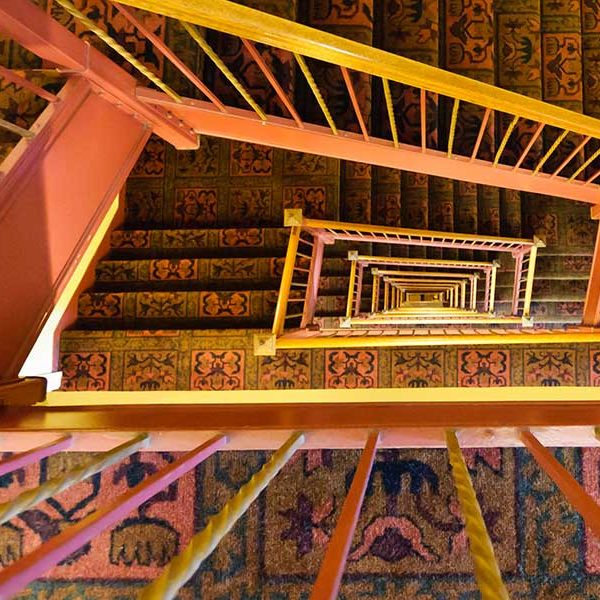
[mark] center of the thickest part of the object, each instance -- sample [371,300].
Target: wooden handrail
[234,19]
[341,226]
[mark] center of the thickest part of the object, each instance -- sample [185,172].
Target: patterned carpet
[196,265]
[410,541]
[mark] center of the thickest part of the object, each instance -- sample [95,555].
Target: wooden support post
[332,568]
[581,501]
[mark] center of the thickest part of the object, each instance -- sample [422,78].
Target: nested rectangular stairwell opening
[396,292]
[203,250]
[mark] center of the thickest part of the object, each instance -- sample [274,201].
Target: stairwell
[202,244]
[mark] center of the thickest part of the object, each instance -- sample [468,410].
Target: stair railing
[488,270]
[465,417]
[295,326]
[573,178]
[524,278]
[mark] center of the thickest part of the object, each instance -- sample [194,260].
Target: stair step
[169,308]
[207,270]
[241,239]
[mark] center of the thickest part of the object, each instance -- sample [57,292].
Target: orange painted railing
[575,177]
[296,309]
[290,427]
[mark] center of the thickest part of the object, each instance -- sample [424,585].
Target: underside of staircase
[202,244]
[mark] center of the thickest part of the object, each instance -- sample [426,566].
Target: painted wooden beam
[334,563]
[281,132]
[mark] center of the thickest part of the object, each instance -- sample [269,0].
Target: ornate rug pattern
[195,219]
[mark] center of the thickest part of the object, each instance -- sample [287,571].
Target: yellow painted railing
[397,297]
[248,23]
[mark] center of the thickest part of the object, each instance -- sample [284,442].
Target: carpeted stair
[195,267]
[202,242]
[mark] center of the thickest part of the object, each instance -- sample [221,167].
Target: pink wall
[51,200]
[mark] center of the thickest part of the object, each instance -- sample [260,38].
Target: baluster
[22,572]
[197,37]
[529,146]
[182,567]
[481,133]
[30,498]
[34,455]
[581,501]
[423,115]
[355,105]
[390,110]
[312,289]
[359,285]
[453,121]
[262,65]
[286,280]
[13,77]
[487,572]
[316,92]
[332,568]
[130,15]
[351,290]
[504,141]
[552,148]
[529,281]
[132,60]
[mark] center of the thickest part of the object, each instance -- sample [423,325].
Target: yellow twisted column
[197,37]
[487,572]
[132,60]
[182,567]
[30,498]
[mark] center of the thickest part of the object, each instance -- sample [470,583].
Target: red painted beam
[35,30]
[312,416]
[56,191]
[240,124]
[591,308]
